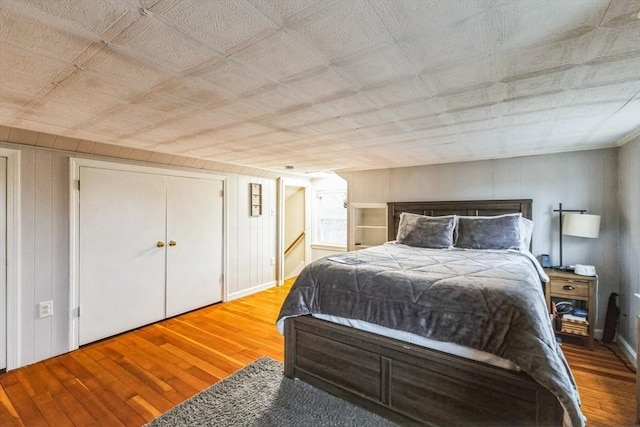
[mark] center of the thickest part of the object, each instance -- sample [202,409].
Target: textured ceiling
[324,84]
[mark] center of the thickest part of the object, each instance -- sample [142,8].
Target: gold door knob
[160,244]
[172,243]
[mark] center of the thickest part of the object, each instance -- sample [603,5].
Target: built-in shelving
[368,225]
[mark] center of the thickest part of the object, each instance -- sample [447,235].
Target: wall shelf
[368,225]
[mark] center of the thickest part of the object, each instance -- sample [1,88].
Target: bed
[341,316]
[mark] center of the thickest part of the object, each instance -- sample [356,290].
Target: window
[330,218]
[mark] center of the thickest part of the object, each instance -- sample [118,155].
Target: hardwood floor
[130,379]
[606,385]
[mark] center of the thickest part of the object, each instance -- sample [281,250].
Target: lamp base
[564,267]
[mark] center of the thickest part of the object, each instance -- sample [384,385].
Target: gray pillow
[426,231]
[497,232]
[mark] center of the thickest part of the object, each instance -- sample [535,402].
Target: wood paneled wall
[44,215]
[578,180]
[629,191]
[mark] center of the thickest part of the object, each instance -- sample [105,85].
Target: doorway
[9,257]
[293,227]
[295,239]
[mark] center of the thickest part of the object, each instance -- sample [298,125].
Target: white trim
[156,170]
[225,245]
[74,245]
[13,257]
[75,163]
[308,222]
[627,350]
[280,196]
[253,290]
[628,138]
[281,184]
[322,247]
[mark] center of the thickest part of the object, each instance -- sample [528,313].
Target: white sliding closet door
[195,242]
[3,263]
[122,270]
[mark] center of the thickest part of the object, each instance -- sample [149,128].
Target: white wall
[578,180]
[44,238]
[318,252]
[629,195]
[251,240]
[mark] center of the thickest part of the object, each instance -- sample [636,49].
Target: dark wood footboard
[409,384]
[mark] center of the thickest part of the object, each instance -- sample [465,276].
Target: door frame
[13,257]
[281,183]
[75,164]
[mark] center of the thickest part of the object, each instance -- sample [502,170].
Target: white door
[3,263]
[122,219]
[195,238]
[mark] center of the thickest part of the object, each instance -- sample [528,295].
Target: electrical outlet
[273,260]
[45,309]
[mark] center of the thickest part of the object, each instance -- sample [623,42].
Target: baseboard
[598,333]
[250,291]
[627,350]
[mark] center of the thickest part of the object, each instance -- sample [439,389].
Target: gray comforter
[487,300]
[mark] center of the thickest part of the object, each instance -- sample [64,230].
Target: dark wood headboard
[466,207]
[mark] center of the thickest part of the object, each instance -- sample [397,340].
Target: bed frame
[410,384]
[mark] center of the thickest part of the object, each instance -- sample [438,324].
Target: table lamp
[576,223]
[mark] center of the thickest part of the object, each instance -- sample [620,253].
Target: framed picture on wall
[256,199]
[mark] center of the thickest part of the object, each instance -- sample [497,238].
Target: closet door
[195,243]
[3,262]
[122,219]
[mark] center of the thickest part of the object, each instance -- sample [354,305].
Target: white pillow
[526,231]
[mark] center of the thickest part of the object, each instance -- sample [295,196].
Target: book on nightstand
[572,324]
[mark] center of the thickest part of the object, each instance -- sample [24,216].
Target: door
[121,274]
[3,263]
[195,238]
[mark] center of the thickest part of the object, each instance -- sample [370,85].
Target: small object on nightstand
[544,260]
[584,270]
[579,312]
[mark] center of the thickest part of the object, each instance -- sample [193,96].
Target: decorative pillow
[426,231]
[491,232]
[526,231]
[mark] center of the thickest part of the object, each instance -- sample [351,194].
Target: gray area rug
[260,395]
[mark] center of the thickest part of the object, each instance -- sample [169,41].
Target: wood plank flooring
[130,379]
[606,385]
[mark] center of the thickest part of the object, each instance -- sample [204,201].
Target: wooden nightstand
[580,290]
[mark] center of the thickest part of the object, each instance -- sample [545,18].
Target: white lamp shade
[581,225]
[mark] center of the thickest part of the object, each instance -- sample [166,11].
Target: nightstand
[581,292]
